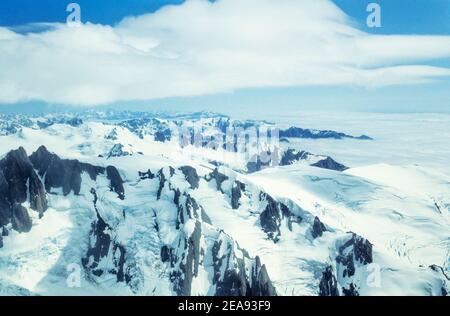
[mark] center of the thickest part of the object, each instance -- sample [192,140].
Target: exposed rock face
[38,199]
[191,176]
[5,205]
[296,132]
[318,228]
[354,253]
[19,182]
[236,194]
[218,177]
[166,253]
[330,164]
[261,284]
[187,206]
[272,216]
[20,219]
[62,173]
[116,183]
[161,175]
[146,175]
[119,150]
[188,267]
[235,273]
[350,291]
[163,135]
[102,246]
[66,174]
[292,156]
[235,282]
[356,249]
[328,285]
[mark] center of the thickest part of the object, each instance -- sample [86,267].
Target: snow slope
[181,229]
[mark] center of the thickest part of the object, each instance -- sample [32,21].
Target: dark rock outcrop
[116,182]
[318,228]
[272,216]
[5,205]
[291,156]
[38,199]
[62,173]
[19,182]
[163,135]
[261,283]
[350,291]
[328,285]
[330,164]
[297,132]
[236,281]
[191,176]
[101,244]
[146,175]
[163,179]
[187,206]
[354,253]
[358,248]
[20,219]
[233,274]
[66,173]
[182,279]
[236,194]
[218,177]
[118,150]
[166,254]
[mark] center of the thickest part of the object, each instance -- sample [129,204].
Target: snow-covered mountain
[134,204]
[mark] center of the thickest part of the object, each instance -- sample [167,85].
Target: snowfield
[192,224]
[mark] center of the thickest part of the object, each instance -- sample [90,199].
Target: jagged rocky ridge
[66,173]
[292,156]
[274,215]
[354,254]
[104,248]
[197,247]
[193,247]
[22,187]
[19,186]
[296,132]
[212,128]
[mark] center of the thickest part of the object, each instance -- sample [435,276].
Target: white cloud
[202,48]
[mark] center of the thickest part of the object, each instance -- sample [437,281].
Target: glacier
[99,203]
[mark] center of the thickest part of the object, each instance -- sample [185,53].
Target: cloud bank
[202,48]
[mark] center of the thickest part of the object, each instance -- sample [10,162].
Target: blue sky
[399,17]
[18,12]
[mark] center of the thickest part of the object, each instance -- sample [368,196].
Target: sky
[252,54]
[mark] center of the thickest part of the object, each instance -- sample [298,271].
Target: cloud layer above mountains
[202,48]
